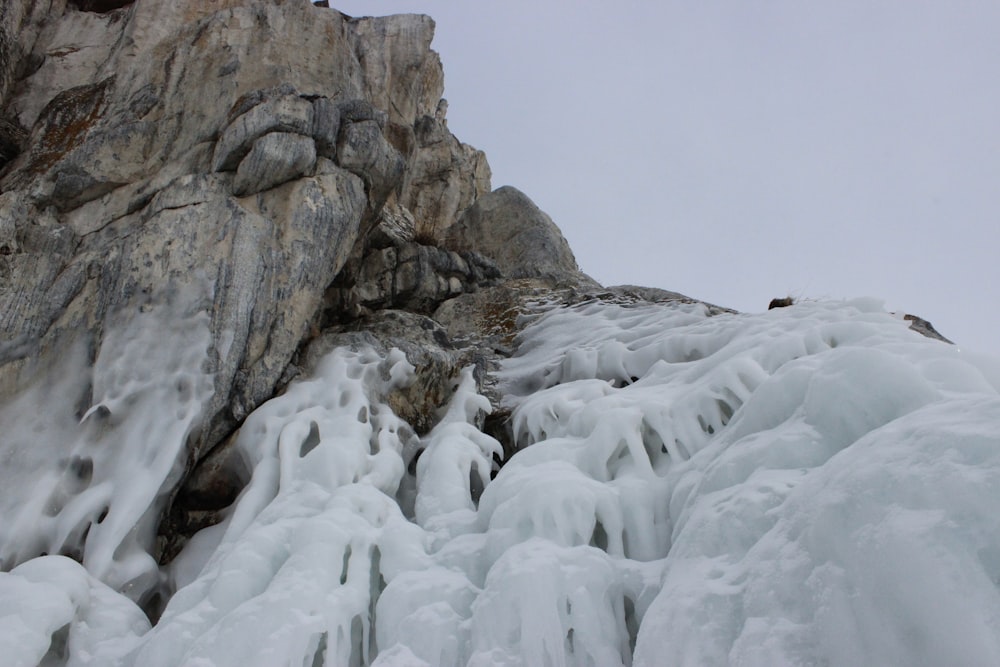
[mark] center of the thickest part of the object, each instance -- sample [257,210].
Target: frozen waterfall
[815,485]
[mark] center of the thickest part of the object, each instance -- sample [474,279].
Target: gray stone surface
[362,149]
[401,74]
[21,21]
[396,226]
[275,158]
[444,178]
[288,113]
[412,276]
[325,126]
[507,227]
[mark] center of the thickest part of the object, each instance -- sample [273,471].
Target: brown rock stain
[67,119]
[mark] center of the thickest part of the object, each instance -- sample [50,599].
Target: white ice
[811,485]
[93,487]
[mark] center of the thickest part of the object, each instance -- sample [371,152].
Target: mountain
[284,381]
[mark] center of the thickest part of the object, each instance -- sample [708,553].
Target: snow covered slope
[812,485]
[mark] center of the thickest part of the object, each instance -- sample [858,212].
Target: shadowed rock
[507,228]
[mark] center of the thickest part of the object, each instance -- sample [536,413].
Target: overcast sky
[743,150]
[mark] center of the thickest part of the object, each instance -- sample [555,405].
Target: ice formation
[811,485]
[92,487]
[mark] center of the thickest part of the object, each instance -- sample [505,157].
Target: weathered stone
[102,211]
[12,16]
[925,328]
[507,227]
[63,126]
[357,111]
[375,284]
[106,160]
[69,53]
[395,227]
[402,75]
[361,149]
[288,113]
[423,274]
[250,99]
[325,126]
[37,282]
[276,158]
[185,65]
[269,262]
[445,176]
[415,277]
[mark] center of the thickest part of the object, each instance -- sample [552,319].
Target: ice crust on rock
[810,485]
[93,487]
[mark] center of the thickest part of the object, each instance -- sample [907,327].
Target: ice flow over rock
[813,485]
[283,382]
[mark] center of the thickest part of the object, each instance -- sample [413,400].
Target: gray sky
[742,150]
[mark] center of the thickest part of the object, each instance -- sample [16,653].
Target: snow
[811,485]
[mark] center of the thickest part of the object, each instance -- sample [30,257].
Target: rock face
[169,144]
[508,228]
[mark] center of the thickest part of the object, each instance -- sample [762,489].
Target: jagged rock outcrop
[446,176]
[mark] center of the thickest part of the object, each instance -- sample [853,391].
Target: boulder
[508,229]
[363,150]
[275,158]
[286,114]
